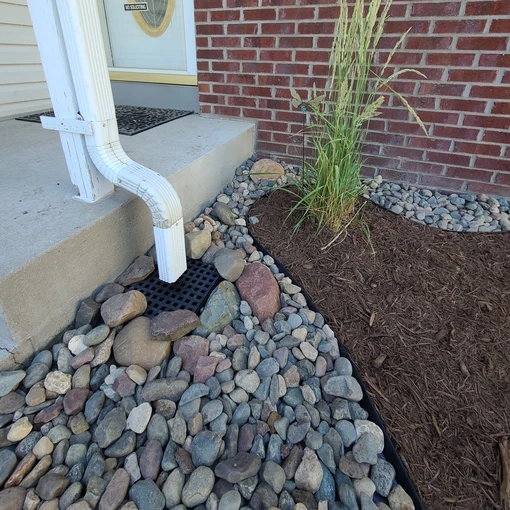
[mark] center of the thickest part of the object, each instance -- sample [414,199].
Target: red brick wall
[251,51]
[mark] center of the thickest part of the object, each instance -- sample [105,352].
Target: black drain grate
[189,292]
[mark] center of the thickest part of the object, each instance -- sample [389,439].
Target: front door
[150,40]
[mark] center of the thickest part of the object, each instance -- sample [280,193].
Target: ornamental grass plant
[330,186]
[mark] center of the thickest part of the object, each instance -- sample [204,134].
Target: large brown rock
[123,307]
[266,169]
[139,270]
[134,345]
[190,348]
[174,325]
[259,288]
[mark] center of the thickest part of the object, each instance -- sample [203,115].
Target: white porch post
[91,184]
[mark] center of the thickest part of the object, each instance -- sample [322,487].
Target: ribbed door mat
[130,119]
[189,292]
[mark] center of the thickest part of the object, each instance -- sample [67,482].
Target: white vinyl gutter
[79,25]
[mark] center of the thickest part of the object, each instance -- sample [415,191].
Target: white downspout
[81,30]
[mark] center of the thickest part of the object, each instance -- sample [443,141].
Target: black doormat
[130,119]
[189,292]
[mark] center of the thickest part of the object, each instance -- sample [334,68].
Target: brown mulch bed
[436,306]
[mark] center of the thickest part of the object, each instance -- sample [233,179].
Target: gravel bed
[247,405]
[459,212]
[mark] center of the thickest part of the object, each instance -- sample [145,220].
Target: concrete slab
[57,250]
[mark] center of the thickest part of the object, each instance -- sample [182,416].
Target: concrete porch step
[57,250]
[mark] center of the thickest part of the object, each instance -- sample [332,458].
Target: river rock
[198,487]
[35,372]
[221,309]
[274,476]
[150,460]
[142,267]
[134,345]
[51,485]
[224,214]
[398,499]
[197,243]
[108,291]
[12,498]
[8,461]
[87,313]
[266,169]
[229,264]
[75,399]
[168,389]
[96,335]
[121,308]
[205,448]
[309,472]
[382,474]
[146,495]
[115,491]
[58,382]
[174,325]
[19,430]
[248,380]
[172,488]
[258,287]
[9,381]
[35,396]
[110,428]
[344,386]
[189,349]
[11,402]
[238,468]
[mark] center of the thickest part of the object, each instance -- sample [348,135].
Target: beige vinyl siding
[22,85]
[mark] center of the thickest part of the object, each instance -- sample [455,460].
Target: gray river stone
[111,427]
[146,495]
[198,487]
[205,448]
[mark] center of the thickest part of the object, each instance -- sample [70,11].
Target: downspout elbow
[159,195]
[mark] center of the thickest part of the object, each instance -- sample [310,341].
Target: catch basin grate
[189,292]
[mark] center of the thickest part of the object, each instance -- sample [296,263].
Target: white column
[91,184]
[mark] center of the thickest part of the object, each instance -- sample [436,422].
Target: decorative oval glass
[155,20]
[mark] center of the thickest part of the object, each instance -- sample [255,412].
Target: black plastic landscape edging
[390,452]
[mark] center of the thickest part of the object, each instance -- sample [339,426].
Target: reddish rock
[229,331]
[75,400]
[174,325]
[235,341]
[142,267]
[84,357]
[124,386]
[183,459]
[262,428]
[11,402]
[259,288]
[150,460]
[190,348]
[22,469]
[115,491]
[206,367]
[13,498]
[246,436]
[50,412]
[166,408]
